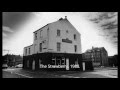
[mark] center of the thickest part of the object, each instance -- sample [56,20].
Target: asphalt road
[97,73]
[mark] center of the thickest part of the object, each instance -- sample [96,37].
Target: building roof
[47,25]
[96,49]
[28,46]
[61,19]
[41,28]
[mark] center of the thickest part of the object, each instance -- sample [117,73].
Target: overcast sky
[98,29]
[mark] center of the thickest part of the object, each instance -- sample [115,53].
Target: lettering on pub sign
[59,66]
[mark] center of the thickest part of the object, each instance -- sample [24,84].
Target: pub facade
[56,46]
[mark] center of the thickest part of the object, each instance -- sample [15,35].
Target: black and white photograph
[60,44]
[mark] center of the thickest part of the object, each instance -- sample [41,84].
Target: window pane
[75,48]
[40,47]
[29,50]
[41,34]
[26,51]
[36,36]
[74,36]
[58,46]
[58,32]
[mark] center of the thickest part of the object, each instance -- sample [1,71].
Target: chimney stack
[61,19]
[65,17]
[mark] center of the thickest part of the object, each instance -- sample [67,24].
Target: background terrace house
[98,56]
[57,43]
[87,60]
[12,60]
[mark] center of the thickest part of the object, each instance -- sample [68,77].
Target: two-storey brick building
[56,46]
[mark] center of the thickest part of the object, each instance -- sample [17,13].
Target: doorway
[83,66]
[33,65]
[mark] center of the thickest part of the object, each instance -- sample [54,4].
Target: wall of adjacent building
[41,39]
[100,56]
[27,48]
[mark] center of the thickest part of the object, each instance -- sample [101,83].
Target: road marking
[69,76]
[23,75]
[104,73]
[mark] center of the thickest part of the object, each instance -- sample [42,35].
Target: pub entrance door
[83,64]
[33,65]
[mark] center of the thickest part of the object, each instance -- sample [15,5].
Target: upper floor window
[26,51]
[29,50]
[40,33]
[35,35]
[75,48]
[66,31]
[75,37]
[58,46]
[58,32]
[40,47]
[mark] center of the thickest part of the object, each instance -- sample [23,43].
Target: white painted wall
[31,50]
[42,39]
[63,25]
[50,37]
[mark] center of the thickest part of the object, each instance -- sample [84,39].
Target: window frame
[75,37]
[67,31]
[40,47]
[75,48]
[26,51]
[58,32]
[41,33]
[35,35]
[29,50]
[58,46]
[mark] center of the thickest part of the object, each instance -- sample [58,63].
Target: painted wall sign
[75,66]
[66,40]
[44,48]
[59,66]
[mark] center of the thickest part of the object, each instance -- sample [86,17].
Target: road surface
[97,73]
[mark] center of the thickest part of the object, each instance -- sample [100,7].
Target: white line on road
[69,76]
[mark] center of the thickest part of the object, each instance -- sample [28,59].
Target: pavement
[26,73]
[106,72]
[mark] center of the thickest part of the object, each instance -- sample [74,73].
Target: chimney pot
[65,17]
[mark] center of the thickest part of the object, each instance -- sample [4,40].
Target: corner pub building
[56,46]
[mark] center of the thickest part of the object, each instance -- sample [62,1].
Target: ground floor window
[63,61]
[54,61]
[58,61]
[76,62]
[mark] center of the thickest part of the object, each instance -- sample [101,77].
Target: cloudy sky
[98,29]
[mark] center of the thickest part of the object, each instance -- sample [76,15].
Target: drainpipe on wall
[48,39]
